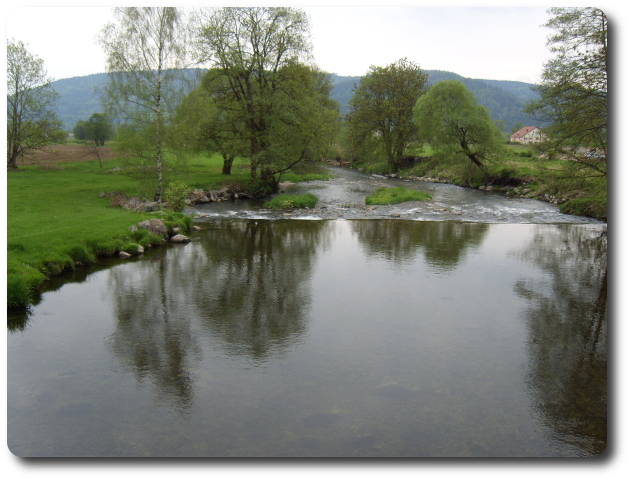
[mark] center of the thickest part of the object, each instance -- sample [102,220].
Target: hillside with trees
[504,99]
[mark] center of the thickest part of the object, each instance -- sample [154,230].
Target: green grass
[286,202]
[390,196]
[55,219]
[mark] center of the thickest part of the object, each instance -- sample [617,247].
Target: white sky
[493,43]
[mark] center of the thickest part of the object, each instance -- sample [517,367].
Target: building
[527,135]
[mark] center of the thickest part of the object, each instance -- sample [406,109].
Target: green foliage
[574,91]
[381,110]
[31,121]
[278,107]
[287,202]
[175,196]
[596,207]
[450,120]
[390,196]
[144,50]
[97,129]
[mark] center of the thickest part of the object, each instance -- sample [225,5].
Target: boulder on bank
[155,226]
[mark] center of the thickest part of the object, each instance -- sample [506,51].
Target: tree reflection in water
[247,285]
[444,244]
[567,328]
[257,290]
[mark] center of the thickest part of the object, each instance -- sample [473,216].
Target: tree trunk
[227,165]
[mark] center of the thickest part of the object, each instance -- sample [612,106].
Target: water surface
[323,338]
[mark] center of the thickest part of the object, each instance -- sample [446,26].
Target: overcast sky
[493,43]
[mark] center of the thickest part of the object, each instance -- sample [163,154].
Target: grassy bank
[56,221]
[518,173]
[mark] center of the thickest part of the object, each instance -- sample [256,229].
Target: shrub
[175,196]
[287,202]
[389,196]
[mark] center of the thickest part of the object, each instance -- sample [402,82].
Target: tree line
[261,98]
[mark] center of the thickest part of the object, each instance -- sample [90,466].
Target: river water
[338,331]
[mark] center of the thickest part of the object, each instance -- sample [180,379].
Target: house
[527,135]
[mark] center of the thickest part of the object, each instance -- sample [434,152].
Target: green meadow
[56,221]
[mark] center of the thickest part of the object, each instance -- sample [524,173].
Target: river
[473,325]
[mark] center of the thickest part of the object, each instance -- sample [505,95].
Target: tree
[574,89]
[199,124]
[381,110]
[79,130]
[31,123]
[449,118]
[97,129]
[144,51]
[254,54]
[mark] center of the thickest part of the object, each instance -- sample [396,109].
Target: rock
[155,226]
[482,187]
[101,195]
[395,215]
[140,250]
[133,228]
[124,255]
[489,188]
[180,239]
[196,228]
[148,207]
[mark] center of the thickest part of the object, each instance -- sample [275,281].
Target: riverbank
[59,216]
[519,174]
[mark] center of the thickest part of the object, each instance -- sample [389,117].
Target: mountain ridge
[504,99]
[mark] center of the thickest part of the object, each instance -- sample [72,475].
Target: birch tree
[145,49]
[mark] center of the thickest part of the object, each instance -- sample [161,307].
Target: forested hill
[503,99]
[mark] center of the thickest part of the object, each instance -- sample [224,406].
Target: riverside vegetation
[56,220]
[520,171]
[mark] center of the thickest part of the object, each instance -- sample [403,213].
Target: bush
[390,196]
[175,196]
[287,202]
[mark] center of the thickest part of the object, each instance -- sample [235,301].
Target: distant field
[65,154]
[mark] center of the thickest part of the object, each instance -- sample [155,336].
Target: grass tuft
[287,202]
[390,196]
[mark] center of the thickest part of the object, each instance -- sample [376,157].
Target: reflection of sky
[448,344]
